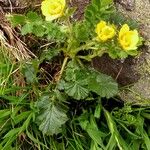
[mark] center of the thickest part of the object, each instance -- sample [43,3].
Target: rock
[124,72]
[80,6]
[139,92]
[127,4]
[141,14]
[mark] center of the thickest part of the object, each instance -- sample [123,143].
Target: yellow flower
[128,38]
[104,31]
[53,9]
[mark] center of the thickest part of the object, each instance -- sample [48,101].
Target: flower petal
[125,28]
[128,39]
[105,31]
[52,9]
[100,26]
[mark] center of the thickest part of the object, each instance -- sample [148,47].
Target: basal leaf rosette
[128,39]
[104,31]
[53,9]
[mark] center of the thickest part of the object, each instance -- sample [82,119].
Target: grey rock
[127,4]
[139,92]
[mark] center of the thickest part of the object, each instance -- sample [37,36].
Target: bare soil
[80,6]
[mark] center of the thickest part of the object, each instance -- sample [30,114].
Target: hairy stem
[62,68]
[85,46]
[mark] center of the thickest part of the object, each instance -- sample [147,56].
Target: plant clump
[70,107]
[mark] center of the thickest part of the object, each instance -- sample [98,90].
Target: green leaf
[97,112]
[34,27]
[61,96]
[30,71]
[96,136]
[35,140]
[111,143]
[16,19]
[105,3]
[98,10]
[81,31]
[75,84]
[88,123]
[51,116]
[18,118]
[117,52]
[113,53]
[12,132]
[7,143]
[146,115]
[136,144]
[30,74]
[96,3]
[27,122]
[146,140]
[75,73]
[84,120]
[102,84]
[122,145]
[27,28]
[94,146]
[122,54]
[132,52]
[54,32]
[4,113]
[77,90]
[39,30]
[80,81]
[94,132]
[33,16]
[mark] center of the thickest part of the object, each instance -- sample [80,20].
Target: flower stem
[85,46]
[62,68]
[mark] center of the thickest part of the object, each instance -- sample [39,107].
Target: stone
[127,4]
[139,92]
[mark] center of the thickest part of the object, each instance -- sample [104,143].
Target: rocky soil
[140,12]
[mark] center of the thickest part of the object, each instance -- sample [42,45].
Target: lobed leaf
[77,90]
[102,84]
[27,28]
[16,19]
[81,31]
[105,3]
[51,116]
[33,16]
[98,10]
[79,82]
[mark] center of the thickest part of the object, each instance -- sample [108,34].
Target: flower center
[127,40]
[55,8]
[107,31]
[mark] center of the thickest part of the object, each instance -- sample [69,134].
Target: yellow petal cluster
[128,39]
[104,31]
[53,9]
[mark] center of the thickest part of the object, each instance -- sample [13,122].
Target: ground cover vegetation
[70,105]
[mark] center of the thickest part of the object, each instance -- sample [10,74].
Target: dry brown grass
[14,49]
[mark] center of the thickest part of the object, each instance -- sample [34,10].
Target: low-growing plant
[43,115]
